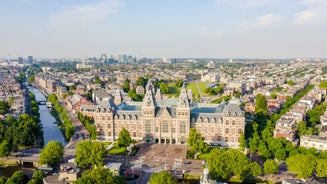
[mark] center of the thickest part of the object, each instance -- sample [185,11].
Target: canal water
[51,130]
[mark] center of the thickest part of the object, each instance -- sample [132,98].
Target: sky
[164,28]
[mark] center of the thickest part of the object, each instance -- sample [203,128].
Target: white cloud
[261,22]
[314,13]
[268,20]
[304,17]
[247,3]
[82,14]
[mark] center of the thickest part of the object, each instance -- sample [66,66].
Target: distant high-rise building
[20,60]
[30,59]
[103,58]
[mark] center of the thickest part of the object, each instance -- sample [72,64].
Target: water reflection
[50,128]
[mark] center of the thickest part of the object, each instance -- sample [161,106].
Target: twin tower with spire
[153,97]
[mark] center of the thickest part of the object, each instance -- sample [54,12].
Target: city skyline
[172,29]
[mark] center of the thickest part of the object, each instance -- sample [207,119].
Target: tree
[163,88]
[290,82]
[3,180]
[4,107]
[242,140]
[90,153]
[263,150]
[52,153]
[196,141]
[224,163]
[124,139]
[321,168]
[255,169]
[141,81]
[323,84]
[270,166]
[301,164]
[301,128]
[162,177]
[126,85]
[37,177]
[97,80]
[4,148]
[261,103]
[19,177]
[273,95]
[179,83]
[254,141]
[99,176]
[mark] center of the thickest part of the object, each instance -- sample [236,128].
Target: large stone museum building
[158,120]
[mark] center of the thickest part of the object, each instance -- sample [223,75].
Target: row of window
[165,127]
[218,130]
[214,120]
[207,137]
[182,113]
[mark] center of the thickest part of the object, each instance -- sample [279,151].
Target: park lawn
[118,151]
[193,87]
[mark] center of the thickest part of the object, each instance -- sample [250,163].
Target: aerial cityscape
[163,92]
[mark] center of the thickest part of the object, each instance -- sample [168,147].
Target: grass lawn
[118,150]
[193,87]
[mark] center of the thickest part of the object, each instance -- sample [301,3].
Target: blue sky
[164,28]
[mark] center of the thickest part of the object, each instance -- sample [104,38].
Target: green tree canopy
[162,177]
[126,85]
[301,164]
[225,163]
[90,153]
[19,177]
[196,141]
[270,166]
[323,84]
[163,88]
[4,107]
[321,168]
[290,82]
[124,139]
[37,177]
[52,153]
[99,176]
[261,103]
[97,80]
[179,83]
[141,81]
[4,148]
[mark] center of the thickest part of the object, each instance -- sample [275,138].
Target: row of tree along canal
[50,128]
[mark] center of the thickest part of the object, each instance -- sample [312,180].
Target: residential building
[313,141]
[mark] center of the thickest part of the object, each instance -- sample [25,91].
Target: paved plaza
[158,157]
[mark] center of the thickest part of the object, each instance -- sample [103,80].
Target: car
[187,163]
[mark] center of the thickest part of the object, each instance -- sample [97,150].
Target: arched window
[182,127]
[164,126]
[147,126]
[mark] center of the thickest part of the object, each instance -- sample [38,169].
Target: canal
[51,130]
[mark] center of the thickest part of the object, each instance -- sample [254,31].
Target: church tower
[183,111]
[148,113]
[118,97]
[159,99]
